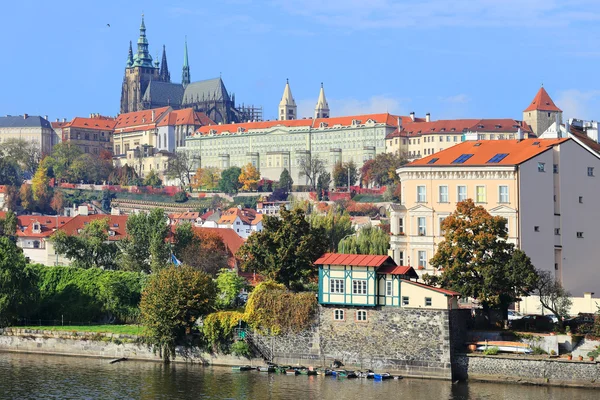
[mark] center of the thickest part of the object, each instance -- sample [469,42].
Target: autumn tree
[553,295]
[336,225]
[311,168]
[26,197]
[152,179]
[381,170]
[40,186]
[285,249]
[285,180]
[249,177]
[174,299]
[368,240]
[229,182]
[58,202]
[206,178]
[341,171]
[476,260]
[200,249]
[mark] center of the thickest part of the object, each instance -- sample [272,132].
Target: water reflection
[27,376]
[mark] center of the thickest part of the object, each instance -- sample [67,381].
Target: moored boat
[266,368]
[241,368]
[382,377]
[291,371]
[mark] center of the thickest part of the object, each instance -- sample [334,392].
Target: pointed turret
[130,57]
[542,113]
[164,74]
[143,57]
[322,108]
[287,105]
[185,74]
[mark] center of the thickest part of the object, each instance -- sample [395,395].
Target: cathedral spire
[129,57]
[185,74]
[165,76]
[287,105]
[322,108]
[143,57]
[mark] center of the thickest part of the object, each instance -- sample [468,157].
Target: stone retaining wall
[112,346]
[515,369]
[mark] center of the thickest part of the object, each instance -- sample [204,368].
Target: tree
[26,197]
[145,249]
[478,262]
[229,286]
[152,179]
[285,180]
[552,295]
[336,225]
[285,249]
[24,153]
[16,281]
[40,186]
[10,173]
[11,198]
[124,176]
[8,224]
[201,250]
[249,177]
[311,168]
[340,174]
[323,183]
[368,240]
[60,161]
[58,202]
[81,169]
[229,182]
[106,199]
[88,249]
[206,178]
[180,167]
[382,169]
[174,299]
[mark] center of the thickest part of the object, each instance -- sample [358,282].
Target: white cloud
[580,104]
[353,106]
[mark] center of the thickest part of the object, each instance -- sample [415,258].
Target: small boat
[326,372]
[241,368]
[291,371]
[504,346]
[346,374]
[382,377]
[266,368]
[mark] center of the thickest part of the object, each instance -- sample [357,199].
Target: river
[29,376]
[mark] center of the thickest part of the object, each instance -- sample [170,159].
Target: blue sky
[452,58]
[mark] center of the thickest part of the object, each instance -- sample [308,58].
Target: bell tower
[287,105]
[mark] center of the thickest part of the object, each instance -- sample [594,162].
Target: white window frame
[443,197]
[541,167]
[458,196]
[441,220]
[500,194]
[359,286]
[336,286]
[389,288]
[361,315]
[421,194]
[422,228]
[483,199]
[422,261]
[339,314]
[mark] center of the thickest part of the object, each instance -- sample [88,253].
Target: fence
[58,322]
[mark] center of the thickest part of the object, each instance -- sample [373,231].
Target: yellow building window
[480,194]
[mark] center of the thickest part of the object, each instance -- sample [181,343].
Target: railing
[257,343]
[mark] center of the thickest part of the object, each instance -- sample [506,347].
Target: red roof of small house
[360,260]
[252,278]
[397,270]
[95,123]
[3,188]
[116,224]
[435,289]
[48,225]
[187,116]
[232,240]
[459,126]
[542,102]
[137,118]
[58,124]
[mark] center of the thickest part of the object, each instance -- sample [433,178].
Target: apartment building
[547,190]
[92,135]
[32,128]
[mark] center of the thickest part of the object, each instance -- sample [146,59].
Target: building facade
[93,135]
[542,112]
[32,128]
[545,188]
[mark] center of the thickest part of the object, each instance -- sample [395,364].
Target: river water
[29,376]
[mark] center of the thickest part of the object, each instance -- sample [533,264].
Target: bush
[536,350]
[241,349]
[180,197]
[218,328]
[491,351]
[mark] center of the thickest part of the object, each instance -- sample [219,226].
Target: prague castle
[147,85]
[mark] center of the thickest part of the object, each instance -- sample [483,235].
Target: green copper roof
[142,57]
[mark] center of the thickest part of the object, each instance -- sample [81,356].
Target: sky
[451,58]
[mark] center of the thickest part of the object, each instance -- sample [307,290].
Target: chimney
[25,116]
[56,119]
[64,120]
[46,117]
[153,115]
[399,123]
[427,117]
[412,116]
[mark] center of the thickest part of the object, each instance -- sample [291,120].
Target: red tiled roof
[3,188]
[360,260]
[117,224]
[232,240]
[97,123]
[233,128]
[482,151]
[57,124]
[435,289]
[580,135]
[143,117]
[454,126]
[384,118]
[542,102]
[397,270]
[48,225]
[186,116]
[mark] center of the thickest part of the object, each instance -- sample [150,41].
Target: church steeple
[165,76]
[185,74]
[322,108]
[287,105]
[143,57]
[129,57]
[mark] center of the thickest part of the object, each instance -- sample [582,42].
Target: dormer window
[323,125]
[111,233]
[36,227]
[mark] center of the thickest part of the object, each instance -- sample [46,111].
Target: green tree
[16,281]
[81,169]
[382,170]
[40,186]
[24,153]
[323,183]
[172,302]
[285,249]
[478,262]
[336,225]
[106,199]
[368,240]
[8,224]
[340,174]
[229,286]
[60,161]
[145,249]
[184,237]
[90,248]
[229,182]
[285,180]
[152,179]
[10,173]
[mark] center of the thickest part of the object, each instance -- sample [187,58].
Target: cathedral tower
[542,112]
[287,105]
[185,74]
[139,71]
[164,74]
[322,108]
